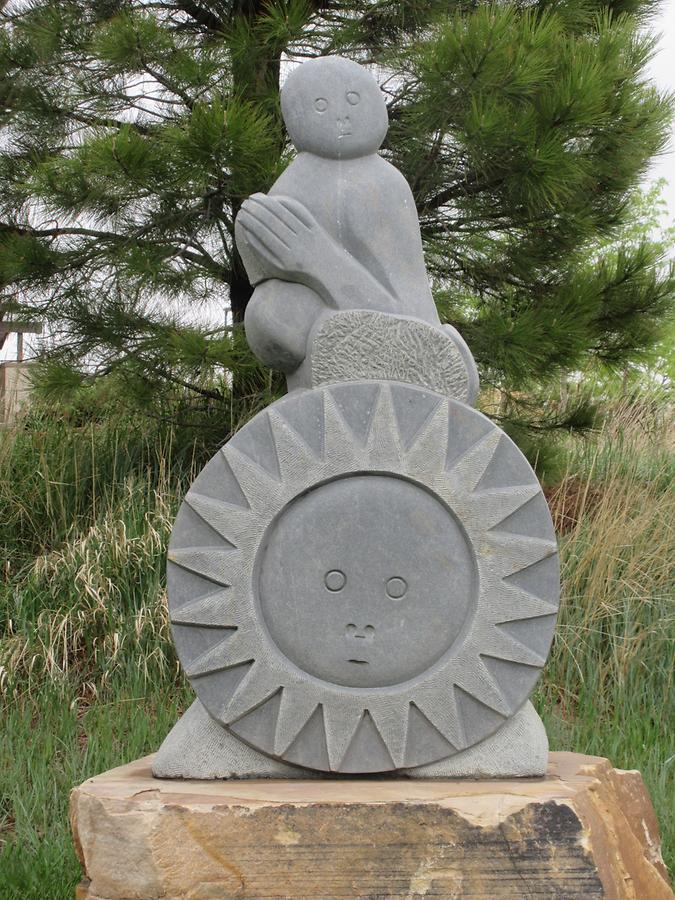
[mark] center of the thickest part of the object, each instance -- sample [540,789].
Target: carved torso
[367,207]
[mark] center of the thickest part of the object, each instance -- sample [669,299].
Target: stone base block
[584,830]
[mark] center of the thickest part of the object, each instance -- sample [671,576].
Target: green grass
[89,678]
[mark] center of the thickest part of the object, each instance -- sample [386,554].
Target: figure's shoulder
[391,178]
[386,168]
[300,172]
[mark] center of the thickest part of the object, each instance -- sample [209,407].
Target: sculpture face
[333,108]
[366,581]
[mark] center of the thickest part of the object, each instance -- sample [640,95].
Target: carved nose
[366,633]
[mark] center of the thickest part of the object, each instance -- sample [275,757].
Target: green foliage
[133,131]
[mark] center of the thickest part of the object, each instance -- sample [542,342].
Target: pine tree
[133,131]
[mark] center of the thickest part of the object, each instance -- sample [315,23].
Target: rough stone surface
[355,345]
[364,579]
[586,830]
[199,747]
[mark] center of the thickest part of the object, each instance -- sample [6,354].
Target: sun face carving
[361,624]
[364,579]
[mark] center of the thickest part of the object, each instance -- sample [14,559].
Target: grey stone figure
[365,578]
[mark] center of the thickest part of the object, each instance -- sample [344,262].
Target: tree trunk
[255,78]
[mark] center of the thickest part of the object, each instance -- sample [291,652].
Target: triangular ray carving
[187,587]
[258,486]
[507,467]
[357,404]
[341,722]
[215,610]
[309,746]
[445,716]
[540,579]
[516,680]
[254,689]
[306,417]
[467,470]
[211,564]
[479,720]
[534,633]
[367,752]
[428,450]
[213,659]
[258,726]
[517,553]
[192,530]
[217,480]
[216,688]
[256,441]
[504,646]
[296,708]
[391,723]
[383,440]
[478,682]
[512,603]
[294,454]
[464,433]
[424,740]
[494,506]
[532,519]
[413,409]
[229,523]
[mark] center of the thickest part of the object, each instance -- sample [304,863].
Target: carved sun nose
[366,633]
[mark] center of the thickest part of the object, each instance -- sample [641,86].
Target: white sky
[661,70]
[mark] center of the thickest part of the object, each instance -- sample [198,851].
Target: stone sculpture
[365,578]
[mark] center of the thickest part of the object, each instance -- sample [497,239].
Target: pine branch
[202,16]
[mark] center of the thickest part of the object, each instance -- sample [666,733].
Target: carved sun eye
[321,104]
[335,580]
[396,588]
[353,98]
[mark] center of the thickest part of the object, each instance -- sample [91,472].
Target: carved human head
[333,108]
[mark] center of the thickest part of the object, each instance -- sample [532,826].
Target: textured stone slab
[586,830]
[363,344]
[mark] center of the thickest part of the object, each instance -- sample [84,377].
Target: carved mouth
[359,662]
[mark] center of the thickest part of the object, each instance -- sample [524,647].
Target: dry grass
[96,607]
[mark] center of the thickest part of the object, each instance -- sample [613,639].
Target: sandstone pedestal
[584,830]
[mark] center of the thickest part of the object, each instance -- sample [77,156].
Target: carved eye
[397,588]
[321,104]
[353,98]
[335,580]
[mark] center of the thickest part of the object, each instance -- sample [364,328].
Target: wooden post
[18,328]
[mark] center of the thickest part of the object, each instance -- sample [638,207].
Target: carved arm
[291,245]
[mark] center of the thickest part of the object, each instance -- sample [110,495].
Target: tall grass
[89,679]
[88,674]
[608,685]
